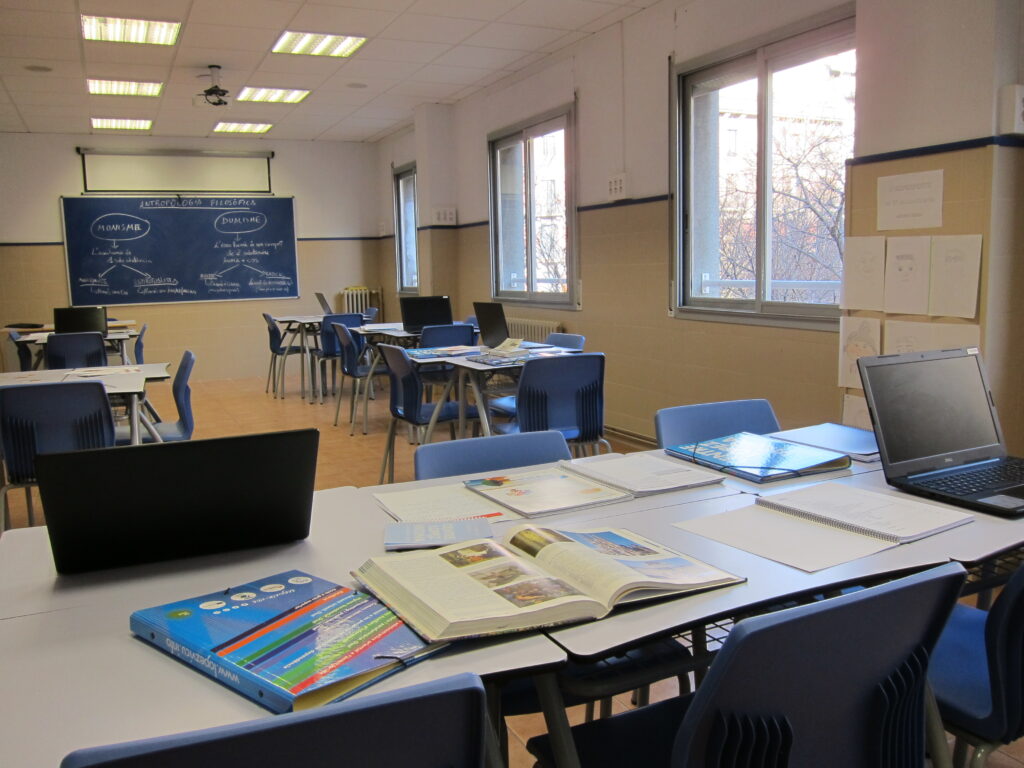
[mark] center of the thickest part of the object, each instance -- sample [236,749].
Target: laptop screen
[325,305]
[80,319]
[490,317]
[931,407]
[418,311]
[112,507]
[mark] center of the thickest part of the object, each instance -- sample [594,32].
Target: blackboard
[139,250]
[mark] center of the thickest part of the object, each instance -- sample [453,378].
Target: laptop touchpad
[1011,498]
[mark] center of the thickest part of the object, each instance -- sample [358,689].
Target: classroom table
[120,337]
[127,380]
[307,328]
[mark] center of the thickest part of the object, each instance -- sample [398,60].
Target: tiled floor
[241,406]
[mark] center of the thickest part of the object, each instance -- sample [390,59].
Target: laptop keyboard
[1008,472]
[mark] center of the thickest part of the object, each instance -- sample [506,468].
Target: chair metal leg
[270,374]
[935,734]
[389,452]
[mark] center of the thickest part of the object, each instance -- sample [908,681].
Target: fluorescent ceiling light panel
[114,30]
[317,44]
[242,127]
[272,95]
[121,124]
[123,88]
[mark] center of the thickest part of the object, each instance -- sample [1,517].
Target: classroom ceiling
[418,51]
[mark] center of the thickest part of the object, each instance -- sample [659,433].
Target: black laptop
[325,305]
[80,319]
[418,311]
[490,319]
[937,430]
[112,507]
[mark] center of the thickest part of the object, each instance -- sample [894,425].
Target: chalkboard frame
[192,275]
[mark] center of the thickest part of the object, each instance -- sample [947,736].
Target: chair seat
[503,406]
[960,676]
[511,428]
[449,412]
[170,432]
[642,736]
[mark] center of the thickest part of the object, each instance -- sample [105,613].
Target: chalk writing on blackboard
[127,250]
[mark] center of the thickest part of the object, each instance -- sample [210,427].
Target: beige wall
[229,338]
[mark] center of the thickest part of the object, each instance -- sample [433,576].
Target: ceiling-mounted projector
[214,96]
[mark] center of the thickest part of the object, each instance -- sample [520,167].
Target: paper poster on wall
[906,336]
[858,336]
[855,412]
[955,270]
[910,201]
[863,273]
[907,262]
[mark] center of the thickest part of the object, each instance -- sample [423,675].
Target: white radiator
[532,330]
[359,297]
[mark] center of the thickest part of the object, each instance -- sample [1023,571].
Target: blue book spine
[210,665]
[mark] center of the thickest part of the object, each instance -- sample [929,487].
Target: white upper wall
[329,180]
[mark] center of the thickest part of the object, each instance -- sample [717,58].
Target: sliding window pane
[549,214]
[407,262]
[511,186]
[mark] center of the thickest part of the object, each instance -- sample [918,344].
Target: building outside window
[532,213]
[405,231]
[763,144]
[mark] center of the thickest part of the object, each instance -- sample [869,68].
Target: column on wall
[436,195]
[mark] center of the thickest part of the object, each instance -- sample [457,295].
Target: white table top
[117,379]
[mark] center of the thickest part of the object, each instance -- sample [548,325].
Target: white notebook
[643,473]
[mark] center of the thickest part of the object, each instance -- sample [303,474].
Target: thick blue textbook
[289,641]
[760,458]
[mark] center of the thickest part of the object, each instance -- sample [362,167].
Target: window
[405,231]
[763,144]
[532,211]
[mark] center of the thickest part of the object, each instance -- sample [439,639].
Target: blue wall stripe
[934,149]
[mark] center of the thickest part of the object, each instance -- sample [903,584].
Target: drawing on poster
[858,337]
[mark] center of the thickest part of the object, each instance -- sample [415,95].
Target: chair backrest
[457,334]
[567,340]
[274,334]
[183,394]
[75,350]
[837,682]
[349,348]
[434,724]
[564,393]
[24,353]
[487,454]
[370,314]
[140,345]
[46,418]
[406,385]
[704,421]
[329,344]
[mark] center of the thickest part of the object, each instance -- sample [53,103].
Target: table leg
[133,418]
[122,345]
[150,428]
[437,411]
[481,404]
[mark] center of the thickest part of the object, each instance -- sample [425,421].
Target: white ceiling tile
[12,46]
[340,20]
[473,56]
[318,123]
[484,10]
[286,63]
[375,111]
[219,36]
[340,83]
[426,91]
[567,39]
[514,36]
[560,14]
[493,78]
[57,124]
[40,23]
[268,14]
[122,108]
[395,50]
[231,62]
[466,92]
[379,5]
[527,60]
[330,103]
[361,70]
[12,125]
[613,17]
[304,80]
[35,99]
[125,53]
[140,72]
[431,29]
[392,100]
[180,126]
[292,133]
[154,10]
[59,67]
[66,6]
[435,73]
[52,110]
[357,129]
[26,82]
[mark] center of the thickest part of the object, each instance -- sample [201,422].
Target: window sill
[804,322]
[566,306]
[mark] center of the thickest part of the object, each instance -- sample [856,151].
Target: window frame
[399,175]
[564,117]
[760,59]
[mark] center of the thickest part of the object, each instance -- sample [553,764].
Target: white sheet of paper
[786,539]
[855,412]
[858,336]
[910,200]
[907,262]
[441,502]
[907,336]
[955,270]
[863,273]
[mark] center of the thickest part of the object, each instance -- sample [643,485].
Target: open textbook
[533,577]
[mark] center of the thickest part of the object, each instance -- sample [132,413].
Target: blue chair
[486,454]
[439,723]
[838,682]
[47,418]
[566,340]
[370,314]
[407,405]
[684,424]
[563,393]
[140,346]
[330,347]
[278,352]
[24,353]
[977,674]
[356,370]
[181,429]
[76,350]
[456,334]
